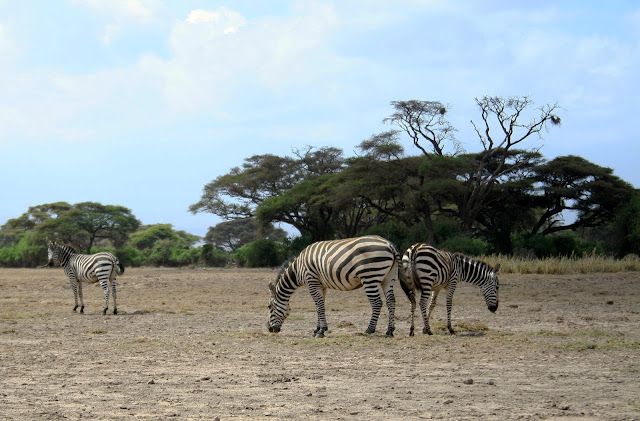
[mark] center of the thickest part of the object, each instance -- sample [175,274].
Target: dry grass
[565,265]
[192,343]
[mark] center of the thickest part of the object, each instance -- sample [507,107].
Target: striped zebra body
[344,265]
[430,270]
[100,267]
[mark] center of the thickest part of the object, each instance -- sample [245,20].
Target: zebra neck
[470,269]
[65,254]
[288,282]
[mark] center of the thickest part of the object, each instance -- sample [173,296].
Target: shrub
[213,256]
[465,245]
[399,234]
[261,253]
[130,256]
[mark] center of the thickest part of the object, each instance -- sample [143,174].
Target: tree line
[503,198]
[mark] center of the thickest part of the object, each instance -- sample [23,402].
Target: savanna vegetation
[503,200]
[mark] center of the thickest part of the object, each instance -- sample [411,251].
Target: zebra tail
[409,289]
[121,267]
[407,286]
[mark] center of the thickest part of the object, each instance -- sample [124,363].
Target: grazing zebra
[343,265]
[430,270]
[90,268]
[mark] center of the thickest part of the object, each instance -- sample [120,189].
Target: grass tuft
[565,265]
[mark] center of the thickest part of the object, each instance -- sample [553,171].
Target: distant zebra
[90,268]
[343,265]
[430,270]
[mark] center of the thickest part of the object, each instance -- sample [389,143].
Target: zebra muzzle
[274,329]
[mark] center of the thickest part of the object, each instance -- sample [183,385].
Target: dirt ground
[193,344]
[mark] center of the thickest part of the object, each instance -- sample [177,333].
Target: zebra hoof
[411,331]
[389,334]
[115,311]
[104,312]
[427,331]
[318,335]
[369,332]
[82,309]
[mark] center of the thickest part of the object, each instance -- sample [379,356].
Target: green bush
[465,245]
[566,244]
[262,253]
[213,256]
[399,234]
[130,256]
[9,256]
[444,229]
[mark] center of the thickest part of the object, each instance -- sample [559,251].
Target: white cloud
[137,11]
[110,32]
[604,57]
[8,47]
[140,12]
[226,20]
[219,52]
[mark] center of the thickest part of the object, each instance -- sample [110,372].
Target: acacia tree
[13,230]
[425,123]
[571,183]
[276,189]
[87,222]
[233,234]
[380,185]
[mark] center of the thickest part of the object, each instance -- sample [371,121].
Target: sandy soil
[193,344]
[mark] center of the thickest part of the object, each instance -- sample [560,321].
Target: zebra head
[490,288]
[279,299]
[278,311]
[53,255]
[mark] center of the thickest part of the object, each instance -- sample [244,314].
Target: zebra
[343,265]
[428,270]
[90,268]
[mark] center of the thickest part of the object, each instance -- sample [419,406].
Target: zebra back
[346,264]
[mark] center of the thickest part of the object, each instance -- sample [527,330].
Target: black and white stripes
[99,267]
[370,262]
[430,270]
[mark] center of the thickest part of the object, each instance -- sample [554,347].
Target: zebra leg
[413,312]
[318,293]
[373,294]
[113,293]
[391,306]
[450,291]
[74,288]
[104,283]
[432,305]
[81,298]
[424,298]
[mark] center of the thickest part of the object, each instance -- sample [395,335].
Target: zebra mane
[472,260]
[66,246]
[284,267]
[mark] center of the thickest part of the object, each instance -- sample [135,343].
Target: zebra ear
[496,270]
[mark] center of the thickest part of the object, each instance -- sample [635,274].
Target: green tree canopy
[233,234]
[571,183]
[87,222]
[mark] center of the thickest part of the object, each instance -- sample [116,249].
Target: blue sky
[140,103]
